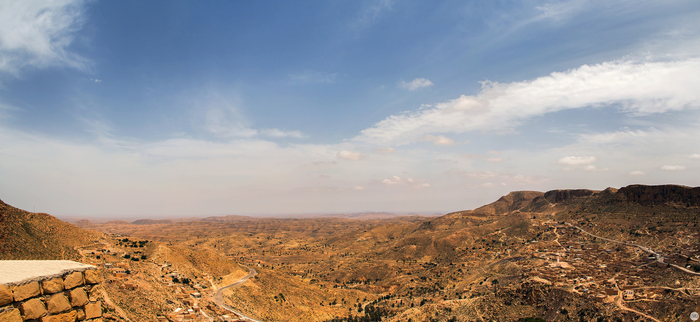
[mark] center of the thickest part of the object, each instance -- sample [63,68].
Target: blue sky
[164,108]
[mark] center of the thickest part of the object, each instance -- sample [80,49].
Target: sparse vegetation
[519,259]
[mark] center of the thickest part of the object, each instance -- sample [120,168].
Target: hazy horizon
[168,109]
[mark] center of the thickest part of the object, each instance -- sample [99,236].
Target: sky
[174,108]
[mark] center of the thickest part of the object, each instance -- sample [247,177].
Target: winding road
[219,298]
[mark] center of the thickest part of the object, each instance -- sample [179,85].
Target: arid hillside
[628,254]
[528,254]
[27,235]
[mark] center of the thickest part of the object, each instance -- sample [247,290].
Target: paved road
[219,298]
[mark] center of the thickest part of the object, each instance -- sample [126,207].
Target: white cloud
[673,167]
[694,156]
[415,84]
[487,185]
[409,182]
[38,33]
[276,133]
[350,155]
[437,140]
[637,87]
[577,160]
[616,137]
[359,188]
[637,173]
[593,168]
[494,160]
[392,181]
[386,150]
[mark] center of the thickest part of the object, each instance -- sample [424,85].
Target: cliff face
[556,196]
[663,194]
[533,201]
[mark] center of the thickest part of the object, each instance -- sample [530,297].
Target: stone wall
[71,296]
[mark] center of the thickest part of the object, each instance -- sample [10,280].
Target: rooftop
[23,271]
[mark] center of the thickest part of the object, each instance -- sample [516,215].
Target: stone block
[78,297]
[72,280]
[5,295]
[52,286]
[93,276]
[25,291]
[58,303]
[93,310]
[32,309]
[64,317]
[81,314]
[94,294]
[11,316]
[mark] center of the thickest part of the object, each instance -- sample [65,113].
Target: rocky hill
[27,235]
[563,255]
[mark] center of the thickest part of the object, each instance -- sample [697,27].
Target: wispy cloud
[276,133]
[560,10]
[227,122]
[585,160]
[392,181]
[673,167]
[370,14]
[386,150]
[415,84]
[408,182]
[593,168]
[38,33]
[350,155]
[221,117]
[310,76]
[437,140]
[636,87]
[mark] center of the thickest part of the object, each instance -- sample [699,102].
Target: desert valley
[628,254]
